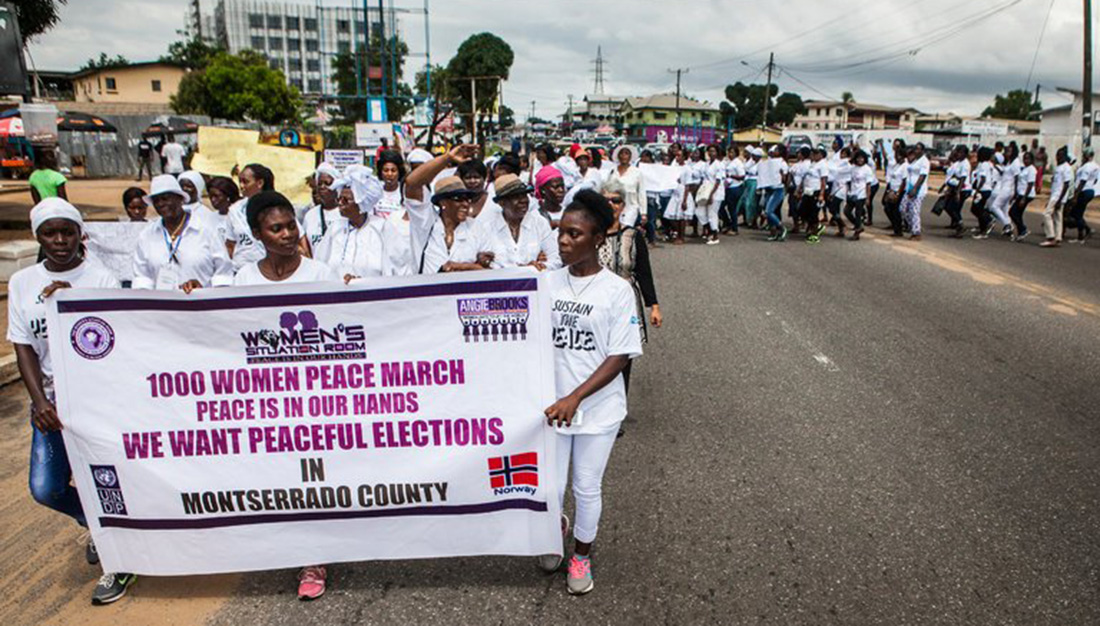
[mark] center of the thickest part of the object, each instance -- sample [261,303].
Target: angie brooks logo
[494,318]
[92,338]
[301,338]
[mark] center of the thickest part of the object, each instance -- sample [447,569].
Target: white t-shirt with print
[389,202]
[173,155]
[309,271]
[916,169]
[27,307]
[314,229]
[1026,179]
[1063,174]
[592,318]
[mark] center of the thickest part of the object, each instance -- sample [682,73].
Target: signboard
[341,159]
[422,113]
[269,427]
[984,127]
[376,110]
[13,72]
[371,135]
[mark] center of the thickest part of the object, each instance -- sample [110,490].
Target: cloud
[813,41]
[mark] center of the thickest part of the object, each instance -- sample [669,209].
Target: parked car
[795,143]
[937,159]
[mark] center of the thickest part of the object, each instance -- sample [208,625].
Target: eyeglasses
[615,200]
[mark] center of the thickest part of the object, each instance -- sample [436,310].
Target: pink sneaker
[579,581]
[311,582]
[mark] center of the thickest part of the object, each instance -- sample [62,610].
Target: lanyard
[174,248]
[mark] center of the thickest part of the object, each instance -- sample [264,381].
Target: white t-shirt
[309,271]
[1063,174]
[313,226]
[857,185]
[841,176]
[391,201]
[751,167]
[771,172]
[811,183]
[958,175]
[173,155]
[1089,173]
[535,236]
[916,169]
[985,175]
[798,172]
[1026,179]
[397,246]
[1007,183]
[27,307]
[593,318]
[736,167]
[245,249]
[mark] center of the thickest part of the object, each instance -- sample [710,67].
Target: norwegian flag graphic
[518,469]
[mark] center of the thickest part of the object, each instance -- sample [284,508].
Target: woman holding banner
[595,330]
[58,227]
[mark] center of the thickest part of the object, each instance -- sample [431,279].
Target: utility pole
[767,94]
[679,72]
[473,107]
[382,44]
[1086,87]
[1037,86]
[570,114]
[599,62]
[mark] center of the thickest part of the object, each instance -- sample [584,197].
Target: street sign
[984,127]
[342,159]
[376,110]
[371,135]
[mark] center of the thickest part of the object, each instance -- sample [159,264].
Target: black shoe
[111,587]
[90,553]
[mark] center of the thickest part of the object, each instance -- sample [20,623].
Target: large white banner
[268,427]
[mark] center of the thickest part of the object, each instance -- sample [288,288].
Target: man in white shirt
[173,154]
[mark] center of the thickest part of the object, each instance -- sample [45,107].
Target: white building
[836,115]
[299,39]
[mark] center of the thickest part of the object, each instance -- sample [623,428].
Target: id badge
[168,277]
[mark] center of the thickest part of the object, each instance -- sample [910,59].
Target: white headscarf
[54,208]
[419,155]
[366,188]
[326,168]
[196,180]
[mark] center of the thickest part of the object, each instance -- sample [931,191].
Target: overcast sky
[831,46]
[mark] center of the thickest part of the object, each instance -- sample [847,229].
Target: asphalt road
[873,432]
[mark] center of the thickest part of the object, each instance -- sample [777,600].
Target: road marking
[1057,301]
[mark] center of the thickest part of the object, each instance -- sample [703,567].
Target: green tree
[507,117]
[847,97]
[239,87]
[351,71]
[745,105]
[483,54]
[37,16]
[1015,105]
[104,61]
[192,53]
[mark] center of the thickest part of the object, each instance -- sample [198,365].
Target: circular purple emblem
[92,338]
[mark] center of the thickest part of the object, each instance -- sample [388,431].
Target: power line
[1042,31]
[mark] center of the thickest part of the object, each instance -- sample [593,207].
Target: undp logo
[92,338]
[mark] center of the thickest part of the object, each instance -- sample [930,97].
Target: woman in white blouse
[630,178]
[176,252]
[515,236]
[443,241]
[354,247]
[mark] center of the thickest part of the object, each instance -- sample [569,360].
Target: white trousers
[1052,220]
[589,455]
[998,206]
[708,214]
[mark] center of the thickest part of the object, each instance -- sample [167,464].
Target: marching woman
[444,241]
[840,175]
[133,202]
[797,174]
[772,176]
[324,214]
[194,186]
[859,189]
[550,193]
[982,181]
[734,181]
[272,218]
[814,184]
[515,236]
[681,206]
[354,247]
[1025,193]
[747,205]
[58,227]
[633,190]
[957,187]
[595,335]
[242,248]
[895,188]
[1086,180]
[712,195]
[223,194]
[273,223]
[874,191]
[176,252]
[916,182]
[1059,188]
[1004,191]
[390,169]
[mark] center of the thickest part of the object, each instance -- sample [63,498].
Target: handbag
[702,196]
[941,204]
